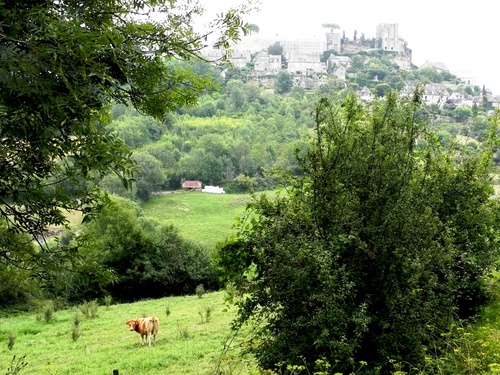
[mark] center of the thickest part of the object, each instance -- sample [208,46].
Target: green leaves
[378,242]
[147,259]
[61,65]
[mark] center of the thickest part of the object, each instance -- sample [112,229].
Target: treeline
[240,134]
[238,137]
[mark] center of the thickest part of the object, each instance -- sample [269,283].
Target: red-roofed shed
[195,185]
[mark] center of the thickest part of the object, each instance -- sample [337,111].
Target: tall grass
[105,343]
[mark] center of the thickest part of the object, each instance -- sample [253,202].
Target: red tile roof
[191,185]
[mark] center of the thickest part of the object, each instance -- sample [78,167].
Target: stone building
[333,42]
[240,59]
[388,35]
[305,63]
[263,62]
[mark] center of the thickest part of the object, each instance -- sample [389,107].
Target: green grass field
[202,217]
[186,343]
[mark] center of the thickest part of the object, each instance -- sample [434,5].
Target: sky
[464,35]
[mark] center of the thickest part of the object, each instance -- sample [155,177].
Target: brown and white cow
[146,327]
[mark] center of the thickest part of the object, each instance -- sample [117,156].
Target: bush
[200,290]
[375,250]
[85,309]
[17,288]
[16,365]
[48,312]
[205,313]
[107,301]
[128,257]
[11,339]
[77,319]
[94,306]
[75,332]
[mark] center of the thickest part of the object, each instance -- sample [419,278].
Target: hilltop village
[333,57]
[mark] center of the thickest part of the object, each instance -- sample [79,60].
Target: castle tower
[388,35]
[333,42]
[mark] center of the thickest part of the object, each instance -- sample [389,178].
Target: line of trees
[120,254]
[238,136]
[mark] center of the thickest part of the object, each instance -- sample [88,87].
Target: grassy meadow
[201,217]
[191,340]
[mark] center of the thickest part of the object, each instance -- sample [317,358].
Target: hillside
[202,217]
[191,340]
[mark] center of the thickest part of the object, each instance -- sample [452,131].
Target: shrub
[107,301]
[16,365]
[48,312]
[77,319]
[85,309]
[143,259]
[200,290]
[16,289]
[11,339]
[75,332]
[93,306]
[205,313]
[183,333]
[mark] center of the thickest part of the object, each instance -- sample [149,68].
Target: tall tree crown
[62,63]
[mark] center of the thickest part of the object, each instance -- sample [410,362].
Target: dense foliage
[239,136]
[62,64]
[236,138]
[130,257]
[375,251]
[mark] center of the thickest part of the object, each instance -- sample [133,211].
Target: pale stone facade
[305,63]
[240,59]
[263,62]
[333,42]
[340,72]
[388,34]
[467,76]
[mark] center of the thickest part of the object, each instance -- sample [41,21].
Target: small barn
[192,185]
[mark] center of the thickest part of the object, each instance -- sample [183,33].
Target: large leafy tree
[151,177]
[374,251]
[62,63]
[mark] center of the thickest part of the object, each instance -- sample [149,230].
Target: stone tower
[333,42]
[388,35]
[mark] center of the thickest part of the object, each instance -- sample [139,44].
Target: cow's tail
[156,324]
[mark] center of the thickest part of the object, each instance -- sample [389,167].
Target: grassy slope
[185,344]
[202,217]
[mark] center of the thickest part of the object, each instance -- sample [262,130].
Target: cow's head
[132,324]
